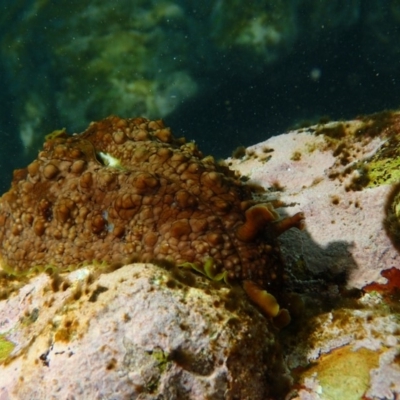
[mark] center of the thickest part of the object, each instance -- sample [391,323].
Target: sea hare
[127,189]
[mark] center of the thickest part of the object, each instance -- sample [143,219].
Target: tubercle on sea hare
[127,189]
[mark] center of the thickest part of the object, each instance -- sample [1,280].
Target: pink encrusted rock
[143,331]
[138,332]
[340,175]
[312,172]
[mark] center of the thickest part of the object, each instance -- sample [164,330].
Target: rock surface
[138,332]
[312,171]
[142,330]
[346,344]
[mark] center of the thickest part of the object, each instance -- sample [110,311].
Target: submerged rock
[143,330]
[340,175]
[138,332]
[346,265]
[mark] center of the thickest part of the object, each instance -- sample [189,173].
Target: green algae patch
[344,373]
[392,218]
[348,142]
[6,348]
[384,166]
[56,134]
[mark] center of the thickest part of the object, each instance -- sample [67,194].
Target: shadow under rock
[317,276]
[307,261]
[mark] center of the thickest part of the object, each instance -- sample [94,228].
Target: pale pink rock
[344,234]
[138,333]
[135,333]
[347,236]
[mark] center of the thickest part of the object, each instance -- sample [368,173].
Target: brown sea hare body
[127,189]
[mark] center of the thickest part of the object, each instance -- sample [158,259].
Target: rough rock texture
[344,176]
[344,338]
[340,175]
[140,332]
[350,352]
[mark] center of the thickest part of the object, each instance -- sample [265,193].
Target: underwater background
[222,73]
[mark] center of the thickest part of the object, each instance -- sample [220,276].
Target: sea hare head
[127,189]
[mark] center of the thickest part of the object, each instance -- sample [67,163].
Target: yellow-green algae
[344,373]
[6,348]
[55,134]
[392,218]
[383,167]
[208,269]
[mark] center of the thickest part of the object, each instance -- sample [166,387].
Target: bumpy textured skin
[162,201]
